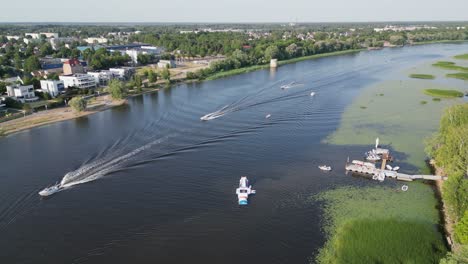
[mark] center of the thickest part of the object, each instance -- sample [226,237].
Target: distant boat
[289,85]
[325,168]
[312,93]
[268,116]
[244,191]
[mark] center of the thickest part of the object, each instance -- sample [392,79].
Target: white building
[103,77]
[164,64]
[13,37]
[96,40]
[52,87]
[22,93]
[123,73]
[78,80]
[38,35]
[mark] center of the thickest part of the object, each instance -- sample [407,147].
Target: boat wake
[261,97]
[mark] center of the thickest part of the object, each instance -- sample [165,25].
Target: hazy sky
[231,11]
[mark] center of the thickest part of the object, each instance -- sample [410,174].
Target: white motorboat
[244,191]
[268,116]
[289,85]
[312,93]
[325,167]
[211,116]
[51,190]
[372,156]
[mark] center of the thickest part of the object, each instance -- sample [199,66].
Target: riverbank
[224,74]
[56,115]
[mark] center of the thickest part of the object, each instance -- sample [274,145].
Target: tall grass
[386,241]
[381,225]
[443,93]
[422,76]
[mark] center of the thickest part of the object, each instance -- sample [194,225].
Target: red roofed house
[72,66]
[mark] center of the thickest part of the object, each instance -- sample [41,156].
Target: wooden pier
[383,173]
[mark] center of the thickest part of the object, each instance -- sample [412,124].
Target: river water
[154,184]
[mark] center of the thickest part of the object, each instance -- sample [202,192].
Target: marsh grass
[380,225]
[462,56]
[443,93]
[459,75]
[423,76]
[423,102]
[448,65]
[436,99]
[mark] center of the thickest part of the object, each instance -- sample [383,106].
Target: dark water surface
[168,190]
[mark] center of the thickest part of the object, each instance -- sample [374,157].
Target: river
[160,183]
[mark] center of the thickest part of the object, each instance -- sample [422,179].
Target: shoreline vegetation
[223,74]
[448,149]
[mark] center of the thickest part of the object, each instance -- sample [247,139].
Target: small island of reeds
[459,75]
[422,76]
[443,93]
[448,65]
[462,56]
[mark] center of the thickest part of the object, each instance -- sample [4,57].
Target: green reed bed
[443,93]
[381,225]
[422,76]
[459,75]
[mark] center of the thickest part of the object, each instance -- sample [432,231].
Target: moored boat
[244,191]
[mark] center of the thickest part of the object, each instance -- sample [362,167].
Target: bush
[12,103]
[78,104]
[461,229]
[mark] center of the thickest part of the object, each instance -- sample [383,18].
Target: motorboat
[287,86]
[312,93]
[325,167]
[393,169]
[244,191]
[268,116]
[51,190]
[211,116]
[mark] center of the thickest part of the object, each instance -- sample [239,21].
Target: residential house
[96,40]
[72,66]
[22,93]
[52,87]
[82,81]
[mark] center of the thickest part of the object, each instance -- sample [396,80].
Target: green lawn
[381,225]
[443,93]
[462,56]
[422,76]
[459,75]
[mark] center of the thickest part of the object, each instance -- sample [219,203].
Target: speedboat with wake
[214,115]
[244,191]
[51,190]
[289,85]
[325,168]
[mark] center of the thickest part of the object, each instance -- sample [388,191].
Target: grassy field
[448,65]
[422,76]
[462,57]
[459,75]
[443,93]
[381,225]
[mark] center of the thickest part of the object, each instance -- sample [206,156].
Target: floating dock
[389,173]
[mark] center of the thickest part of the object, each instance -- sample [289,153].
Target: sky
[232,11]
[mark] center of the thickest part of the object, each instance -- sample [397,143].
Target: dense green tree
[166,74]
[152,76]
[117,89]
[78,104]
[31,64]
[272,52]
